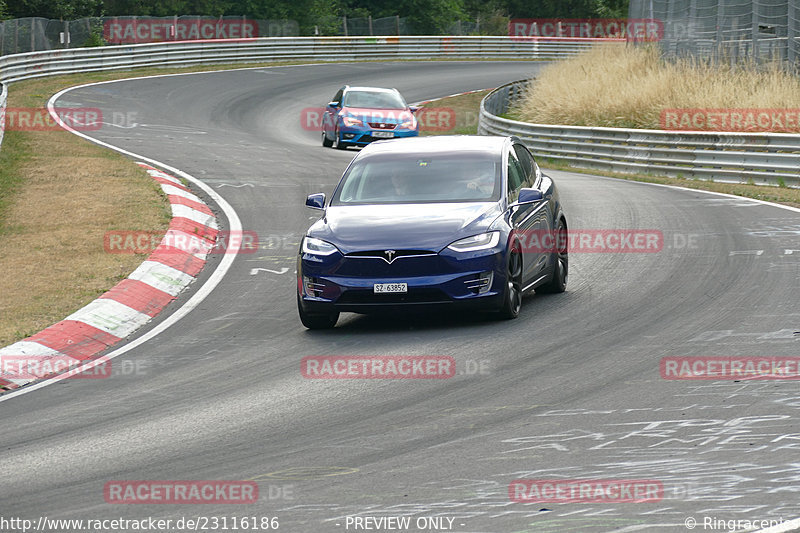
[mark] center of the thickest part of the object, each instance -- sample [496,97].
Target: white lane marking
[688,189]
[745,252]
[235,186]
[197,298]
[161,175]
[169,189]
[162,277]
[184,211]
[110,316]
[254,271]
[26,353]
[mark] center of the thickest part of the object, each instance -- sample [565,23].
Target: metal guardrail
[189,53]
[761,158]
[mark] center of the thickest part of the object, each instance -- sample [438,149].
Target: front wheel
[327,143]
[339,144]
[312,321]
[558,283]
[512,300]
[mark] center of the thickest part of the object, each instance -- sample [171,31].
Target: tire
[339,144]
[558,282]
[512,296]
[317,321]
[327,143]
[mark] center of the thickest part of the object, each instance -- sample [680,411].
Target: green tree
[3,10]
[612,9]
[55,9]
[424,16]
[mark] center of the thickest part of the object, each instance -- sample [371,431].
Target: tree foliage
[423,16]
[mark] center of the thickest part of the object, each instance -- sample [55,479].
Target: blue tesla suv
[433,222]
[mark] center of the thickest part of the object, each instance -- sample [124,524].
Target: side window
[516,177]
[528,165]
[338,97]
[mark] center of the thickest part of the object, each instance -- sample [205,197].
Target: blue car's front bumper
[346,283]
[363,135]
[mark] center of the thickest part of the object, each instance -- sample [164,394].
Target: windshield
[416,178]
[373,100]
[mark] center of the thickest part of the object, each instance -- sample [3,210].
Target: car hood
[403,226]
[391,116]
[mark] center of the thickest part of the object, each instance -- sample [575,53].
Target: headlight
[318,247]
[409,123]
[351,121]
[476,242]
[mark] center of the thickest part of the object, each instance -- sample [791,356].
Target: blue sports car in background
[359,115]
[433,222]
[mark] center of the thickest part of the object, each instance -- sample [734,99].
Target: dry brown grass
[69,193]
[627,87]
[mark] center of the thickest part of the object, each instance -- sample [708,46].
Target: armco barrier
[763,158]
[189,53]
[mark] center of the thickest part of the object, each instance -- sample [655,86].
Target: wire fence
[728,30]
[379,26]
[35,34]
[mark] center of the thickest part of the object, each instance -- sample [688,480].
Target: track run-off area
[570,390]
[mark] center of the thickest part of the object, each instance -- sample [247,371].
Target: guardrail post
[720,23]
[791,33]
[755,32]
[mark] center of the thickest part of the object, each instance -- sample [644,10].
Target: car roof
[438,144]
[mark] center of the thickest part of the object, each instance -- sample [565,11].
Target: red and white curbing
[131,303]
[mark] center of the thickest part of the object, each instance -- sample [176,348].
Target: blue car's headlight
[409,123]
[476,242]
[351,121]
[318,247]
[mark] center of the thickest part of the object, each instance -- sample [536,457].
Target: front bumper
[363,136]
[434,282]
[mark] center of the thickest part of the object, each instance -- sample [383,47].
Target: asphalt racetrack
[570,390]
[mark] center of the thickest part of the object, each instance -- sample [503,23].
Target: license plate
[383,134]
[390,287]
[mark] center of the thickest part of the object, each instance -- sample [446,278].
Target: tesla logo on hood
[390,255]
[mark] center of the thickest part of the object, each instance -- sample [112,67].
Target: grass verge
[454,115]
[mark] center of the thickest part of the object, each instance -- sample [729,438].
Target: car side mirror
[316,201]
[414,108]
[334,103]
[528,196]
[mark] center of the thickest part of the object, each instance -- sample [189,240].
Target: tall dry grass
[627,87]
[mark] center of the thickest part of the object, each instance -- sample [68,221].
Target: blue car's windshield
[409,178]
[373,100]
